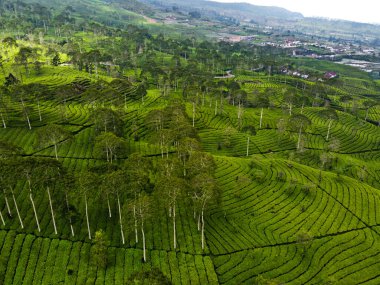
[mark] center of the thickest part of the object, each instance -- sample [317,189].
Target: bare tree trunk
[35,211]
[134,214]
[328,130]
[261,117]
[216,107]
[26,114]
[52,212]
[109,207]
[3,120]
[2,218]
[7,204]
[56,151]
[120,219]
[39,110]
[88,222]
[199,222]
[143,238]
[68,209]
[299,138]
[248,146]
[174,228]
[18,212]
[27,119]
[203,229]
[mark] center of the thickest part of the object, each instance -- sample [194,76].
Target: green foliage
[110,147]
[260,280]
[299,121]
[52,134]
[99,249]
[8,150]
[11,80]
[153,276]
[107,120]
[249,129]
[56,60]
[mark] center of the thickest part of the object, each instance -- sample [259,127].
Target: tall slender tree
[88,186]
[171,189]
[299,123]
[368,104]
[66,184]
[117,181]
[204,190]
[50,171]
[4,106]
[9,168]
[23,56]
[109,146]
[186,148]
[144,204]
[137,168]
[29,171]
[331,115]
[52,134]
[107,120]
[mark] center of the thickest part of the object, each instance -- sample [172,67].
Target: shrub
[152,277]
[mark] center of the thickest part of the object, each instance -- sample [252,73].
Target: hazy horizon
[366,12]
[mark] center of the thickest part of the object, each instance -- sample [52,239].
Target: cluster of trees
[33,176]
[129,48]
[139,188]
[190,166]
[109,127]
[191,68]
[26,98]
[29,97]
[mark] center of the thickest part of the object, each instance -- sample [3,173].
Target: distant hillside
[116,13]
[337,28]
[132,5]
[121,13]
[240,11]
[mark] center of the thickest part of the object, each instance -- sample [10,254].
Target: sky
[367,11]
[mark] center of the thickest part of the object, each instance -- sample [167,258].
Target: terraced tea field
[291,215]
